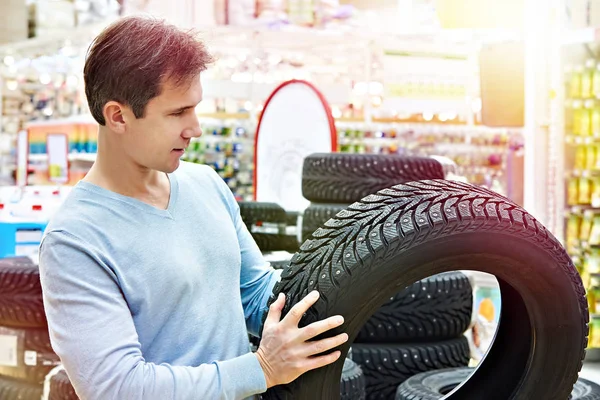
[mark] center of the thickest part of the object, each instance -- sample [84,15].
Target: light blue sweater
[144,303]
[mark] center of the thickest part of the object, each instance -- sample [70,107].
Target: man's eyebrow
[180,109]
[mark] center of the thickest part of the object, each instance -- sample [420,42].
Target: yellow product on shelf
[590,157]
[586,121]
[573,192]
[595,197]
[573,232]
[596,81]
[587,80]
[575,82]
[596,120]
[585,228]
[577,114]
[580,157]
[594,239]
[585,191]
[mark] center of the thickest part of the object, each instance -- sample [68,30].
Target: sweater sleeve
[92,331]
[257,277]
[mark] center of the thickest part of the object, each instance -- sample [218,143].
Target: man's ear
[114,116]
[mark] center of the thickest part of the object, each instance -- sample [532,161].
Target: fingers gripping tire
[387,241]
[434,385]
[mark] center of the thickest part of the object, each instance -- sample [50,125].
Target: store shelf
[85,157]
[224,116]
[582,208]
[574,139]
[581,36]
[582,173]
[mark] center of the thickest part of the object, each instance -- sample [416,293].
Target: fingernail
[281,296]
[314,294]
[339,320]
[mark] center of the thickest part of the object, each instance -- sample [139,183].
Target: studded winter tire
[346,178]
[21,303]
[388,365]
[435,308]
[434,385]
[392,239]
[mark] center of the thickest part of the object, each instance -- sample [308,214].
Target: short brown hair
[132,58]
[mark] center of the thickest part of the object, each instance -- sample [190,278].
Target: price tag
[8,351]
[31,358]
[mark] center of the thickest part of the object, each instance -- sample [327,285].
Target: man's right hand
[284,353]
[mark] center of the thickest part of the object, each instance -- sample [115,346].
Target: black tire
[291,218]
[11,389]
[388,241]
[352,384]
[316,215]
[34,356]
[435,308]
[434,385]
[276,242]
[21,303]
[257,212]
[61,388]
[388,365]
[346,178]
[280,264]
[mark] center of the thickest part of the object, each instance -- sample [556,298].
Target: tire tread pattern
[385,224]
[11,389]
[346,178]
[61,388]
[387,366]
[435,308]
[21,303]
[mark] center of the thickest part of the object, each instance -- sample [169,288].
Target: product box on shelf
[24,215]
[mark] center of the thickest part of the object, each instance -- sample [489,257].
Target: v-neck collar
[167,213]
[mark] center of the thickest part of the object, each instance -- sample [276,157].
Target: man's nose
[192,131]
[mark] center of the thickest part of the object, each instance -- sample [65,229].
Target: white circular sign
[296,122]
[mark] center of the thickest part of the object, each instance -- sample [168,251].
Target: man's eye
[178,113]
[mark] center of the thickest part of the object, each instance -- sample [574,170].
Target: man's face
[158,140]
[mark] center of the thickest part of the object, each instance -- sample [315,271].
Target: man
[150,279]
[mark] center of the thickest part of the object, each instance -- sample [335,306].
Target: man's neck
[115,171]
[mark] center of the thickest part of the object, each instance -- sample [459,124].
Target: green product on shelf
[580,157]
[575,83]
[594,341]
[594,239]
[586,226]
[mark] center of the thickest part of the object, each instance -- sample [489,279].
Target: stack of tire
[421,328]
[272,228]
[26,356]
[434,385]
